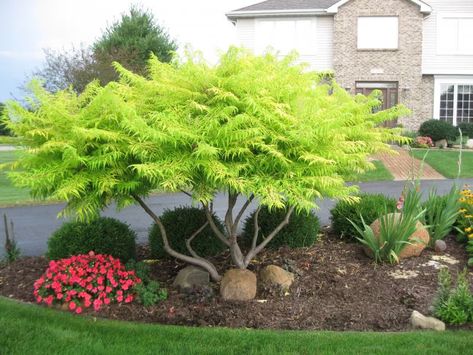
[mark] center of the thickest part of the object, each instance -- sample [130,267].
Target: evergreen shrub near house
[301,231]
[181,223]
[467,129]
[103,235]
[438,130]
[370,207]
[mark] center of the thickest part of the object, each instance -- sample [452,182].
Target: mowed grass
[446,161]
[10,194]
[30,329]
[379,174]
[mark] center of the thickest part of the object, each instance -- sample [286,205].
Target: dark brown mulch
[338,288]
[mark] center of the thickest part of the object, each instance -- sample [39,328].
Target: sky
[29,26]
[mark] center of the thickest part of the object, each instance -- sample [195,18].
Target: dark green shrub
[467,129]
[438,130]
[104,236]
[180,224]
[301,231]
[370,207]
[149,292]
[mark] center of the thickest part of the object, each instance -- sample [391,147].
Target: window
[378,32]
[455,33]
[285,35]
[456,103]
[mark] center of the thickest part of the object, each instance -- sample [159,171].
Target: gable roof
[299,7]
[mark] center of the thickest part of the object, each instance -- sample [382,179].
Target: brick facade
[403,65]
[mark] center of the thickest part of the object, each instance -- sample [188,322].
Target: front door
[389,91]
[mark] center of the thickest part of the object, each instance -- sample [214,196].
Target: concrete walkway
[7,148]
[404,167]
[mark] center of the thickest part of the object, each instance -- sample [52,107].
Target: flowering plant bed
[84,281]
[336,287]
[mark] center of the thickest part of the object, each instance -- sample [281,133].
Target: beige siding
[433,62]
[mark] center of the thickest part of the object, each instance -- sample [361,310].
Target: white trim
[453,80]
[424,8]
[441,16]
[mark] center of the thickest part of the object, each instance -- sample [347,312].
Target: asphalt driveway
[34,224]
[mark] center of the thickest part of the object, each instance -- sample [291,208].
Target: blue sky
[29,26]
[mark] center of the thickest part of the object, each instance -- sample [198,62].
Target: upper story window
[455,33]
[286,35]
[378,32]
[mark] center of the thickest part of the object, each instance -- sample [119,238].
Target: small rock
[440,246]
[191,276]
[469,144]
[274,275]
[238,285]
[403,274]
[420,321]
[445,259]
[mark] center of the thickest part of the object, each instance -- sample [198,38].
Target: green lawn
[10,194]
[29,329]
[446,162]
[379,174]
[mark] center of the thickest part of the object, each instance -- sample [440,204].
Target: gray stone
[238,285]
[469,144]
[418,320]
[440,246]
[191,276]
[441,143]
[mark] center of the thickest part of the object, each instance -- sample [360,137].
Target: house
[418,53]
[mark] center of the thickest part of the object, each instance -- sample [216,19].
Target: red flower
[72,305]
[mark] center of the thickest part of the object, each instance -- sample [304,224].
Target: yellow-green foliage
[249,124]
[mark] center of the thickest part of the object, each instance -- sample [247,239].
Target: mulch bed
[337,288]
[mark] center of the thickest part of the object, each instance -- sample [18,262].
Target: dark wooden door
[389,99]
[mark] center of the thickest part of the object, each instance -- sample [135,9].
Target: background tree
[129,41]
[256,128]
[4,131]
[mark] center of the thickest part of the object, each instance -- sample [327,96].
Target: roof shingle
[289,5]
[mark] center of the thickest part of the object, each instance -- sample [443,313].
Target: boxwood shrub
[180,224]
[438,130]
[301,231]
[370,206]
[467,129]
[103,236]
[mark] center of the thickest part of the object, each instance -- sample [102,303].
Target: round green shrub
[467,129]
[370,206]
[104,236]
[438,130]
[180,223]
[301,231]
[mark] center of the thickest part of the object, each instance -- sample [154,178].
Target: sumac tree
[254,127]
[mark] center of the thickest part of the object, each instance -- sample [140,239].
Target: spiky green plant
[254,127]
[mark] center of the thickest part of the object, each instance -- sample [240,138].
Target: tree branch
[205,264]
[186,193]
[256,226]
[232,199]
[240,214]
[217,232]
[189,241]
[254,251]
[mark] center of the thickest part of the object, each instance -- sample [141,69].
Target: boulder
[238,285]
[191,276]
[274,275]
[420,321]
[441,143]
[469,144]
[440,246]
[419,239]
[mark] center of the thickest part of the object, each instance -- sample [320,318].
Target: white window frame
[450,80]
[375,47]
[440,27]
[313,37]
